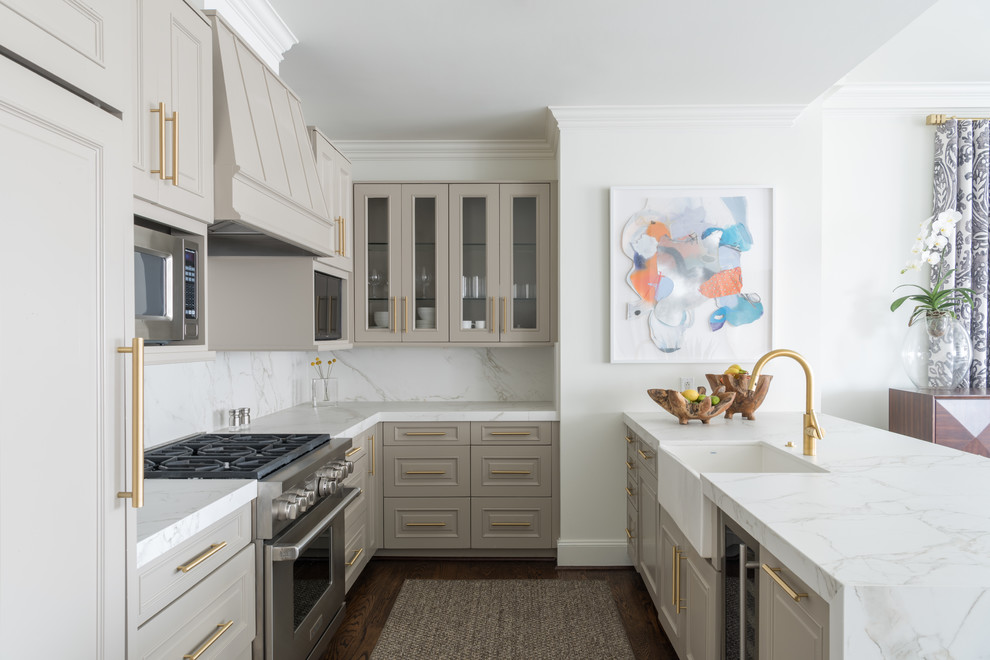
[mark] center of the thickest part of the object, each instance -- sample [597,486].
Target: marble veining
[896,535]
[178,509]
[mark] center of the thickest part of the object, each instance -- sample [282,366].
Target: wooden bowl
[745,402]
[674,402]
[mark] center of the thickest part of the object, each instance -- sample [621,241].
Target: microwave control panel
[189,285]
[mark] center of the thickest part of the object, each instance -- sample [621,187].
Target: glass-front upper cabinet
[400,262]
[500,266]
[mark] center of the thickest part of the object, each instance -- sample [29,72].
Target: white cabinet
[173,115]
[66,194]
[80,43]
[334,171]
[275,304]
[793,618]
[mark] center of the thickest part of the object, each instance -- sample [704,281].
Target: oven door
[304,581]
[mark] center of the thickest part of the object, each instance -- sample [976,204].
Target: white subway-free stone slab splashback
[181,399]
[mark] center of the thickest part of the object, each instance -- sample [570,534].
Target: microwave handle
[292,551]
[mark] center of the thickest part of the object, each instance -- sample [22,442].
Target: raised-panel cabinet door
[524,305]
[66,302]
[670,561]
[474,287]
[423,310]
[791,626]
[698,586]
[649,534]
[343,212]
[81,43]
[378,263]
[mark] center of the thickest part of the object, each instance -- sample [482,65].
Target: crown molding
[907,98]
[361,150]
[675,116]
[257,22]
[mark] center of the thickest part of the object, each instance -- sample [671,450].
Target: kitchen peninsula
[895,535]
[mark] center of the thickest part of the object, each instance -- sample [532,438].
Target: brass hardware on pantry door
[136,494]
[208,643]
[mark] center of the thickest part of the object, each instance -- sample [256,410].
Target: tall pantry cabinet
[65,197]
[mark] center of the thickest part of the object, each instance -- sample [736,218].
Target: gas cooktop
[228,455]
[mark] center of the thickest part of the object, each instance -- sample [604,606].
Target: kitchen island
[895,535]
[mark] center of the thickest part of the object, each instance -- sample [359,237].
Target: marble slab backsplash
[186,398]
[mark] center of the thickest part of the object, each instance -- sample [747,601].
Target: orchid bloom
[933,258]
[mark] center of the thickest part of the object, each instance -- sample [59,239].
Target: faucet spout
[812,430]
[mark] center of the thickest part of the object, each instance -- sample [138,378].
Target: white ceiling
[488,69]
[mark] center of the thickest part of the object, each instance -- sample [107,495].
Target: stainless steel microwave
[168,286]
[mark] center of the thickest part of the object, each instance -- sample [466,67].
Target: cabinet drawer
[357,511]
[427,471]
[161,581]
[225,596]
[632,489]
[632,444]
[507,433]
[427,433]
[442,522]
[646,458]
[510,522]
[510,471]
[357,551]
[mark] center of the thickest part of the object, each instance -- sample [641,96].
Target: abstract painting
[691,273]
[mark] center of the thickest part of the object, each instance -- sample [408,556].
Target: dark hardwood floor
[370,600]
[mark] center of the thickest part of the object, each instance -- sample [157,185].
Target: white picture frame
[691,273]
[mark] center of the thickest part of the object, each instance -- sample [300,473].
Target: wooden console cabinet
[958,418]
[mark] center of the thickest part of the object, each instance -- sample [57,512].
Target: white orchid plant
[930,248]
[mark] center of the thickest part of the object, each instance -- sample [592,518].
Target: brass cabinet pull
[678,608]
[343,246]
[426,472]
[340,236]
[630,465]
[214,549]
[628,533]
[426,524]
[511,524]
[372,455]
[405,314]
[628,492]
[509,433]
[355,557]
[772,572]
[395,321]
[510,472]
[503,315]
[161,141]
[352,451]
[629,440]
[136,493]
[426,433]
[175,148]
[643,454]
[222,628]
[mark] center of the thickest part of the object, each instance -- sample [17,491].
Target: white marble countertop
[896,535]
[176,509]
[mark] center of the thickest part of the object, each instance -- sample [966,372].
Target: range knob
[348,466]
[326,486]
[308,495]
[332,471]
[285,509]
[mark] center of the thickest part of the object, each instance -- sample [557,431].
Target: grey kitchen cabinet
[363,518]
[793,618]
[201,594]
[80,43]
[334,171]
[449,486]
[632,500]
[66,193]
[172,123]
[400,263]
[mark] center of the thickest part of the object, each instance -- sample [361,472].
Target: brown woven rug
[495,619]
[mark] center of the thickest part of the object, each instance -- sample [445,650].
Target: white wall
[594,392]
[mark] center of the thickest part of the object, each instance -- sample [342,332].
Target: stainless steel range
[299,526]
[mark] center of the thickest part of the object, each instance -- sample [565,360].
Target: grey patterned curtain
[962,173]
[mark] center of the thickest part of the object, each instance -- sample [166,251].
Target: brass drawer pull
[511,472]
[355,557]
[352,451]
[772,572]
[629,440]
[214,549]
[628,533]
[426,524]
[222,628]
[628,492]
[510,524]
[643,454]
[426,472]
[509,433]
[630,465]
[426,433]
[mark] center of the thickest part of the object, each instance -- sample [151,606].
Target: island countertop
[896,535]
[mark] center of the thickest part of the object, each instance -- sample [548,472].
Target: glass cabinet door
[377,271]
[474,286]
[424,306]
[525,264]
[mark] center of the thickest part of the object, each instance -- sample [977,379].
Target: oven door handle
[292,551]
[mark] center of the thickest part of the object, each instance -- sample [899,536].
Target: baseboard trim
[592,553]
